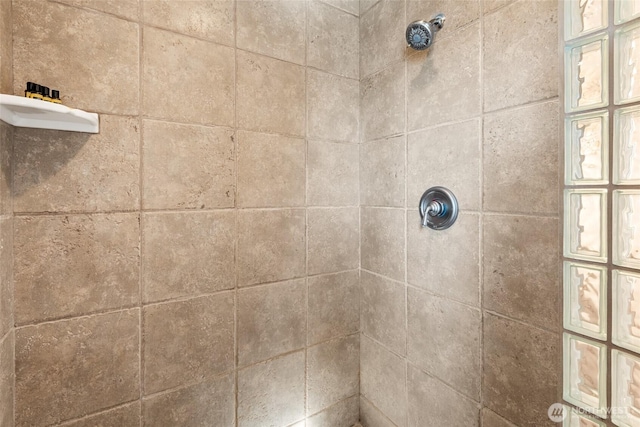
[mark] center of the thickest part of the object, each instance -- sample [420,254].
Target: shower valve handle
[438,208]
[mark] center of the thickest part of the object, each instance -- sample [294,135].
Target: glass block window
[585,299]
[587,149]
[586,73]
[585,373]
[601,212]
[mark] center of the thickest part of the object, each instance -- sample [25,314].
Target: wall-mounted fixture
[420,34]
[438,208]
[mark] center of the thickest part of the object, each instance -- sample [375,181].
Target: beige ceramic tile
[332,174]
[6,48]
[272,28]
[271,245]
[123,416]
[91,58]
[71,368]
[271,170]
[449,68]
[75,264]
[382,172]
[334,242]
[382,36]
[6,380]
[6,275]
[333,306]
[351,6]
[458,13]
[382,102]
[457,150]
[124,8]
[513,41]
[366,5]
[342,414]
[206,404]
[382,241]
[187,254]
[444,338]
[383,311]
[445,262]
[433,403]
[491,419]
[382,380]
[332,44]
[521,277]
[521,373]
[370,416]
[332,105]
[521,162]
[187,341]
[270,94]
[283,403]
[186,79]
[58,171]
[209,19]
[187,166]
[271,320]
[333,370]
[493,5]
[6,163]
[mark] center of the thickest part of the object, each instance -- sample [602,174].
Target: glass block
[586,74]
[626,146]
[626,310]
[585,224]
[584,17]
[626,62]
[585,374]
[585,299]
[576,418]
[626,228]
[626,10]
[587,149]
[625,389]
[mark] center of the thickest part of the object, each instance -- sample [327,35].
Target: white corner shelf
[34,113]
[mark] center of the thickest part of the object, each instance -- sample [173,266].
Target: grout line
[306,212]
[236,244]
[370,403]
[102,411]
[76,317]
[333,405]
[481,216]
[446,384]
[333,6]
[405,224]
[141,219]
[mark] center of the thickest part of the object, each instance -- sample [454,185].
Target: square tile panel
[587,149]
[626,146]
[585,224]
[585,299]
[625,389]
[626,228]
[626,310]
[584,374]
[584,17]
[586,74]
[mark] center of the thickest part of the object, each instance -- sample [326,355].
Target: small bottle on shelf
[44,91]
[37,92]
[55,96]
[30,90]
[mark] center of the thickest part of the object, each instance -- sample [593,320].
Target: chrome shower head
[420,34]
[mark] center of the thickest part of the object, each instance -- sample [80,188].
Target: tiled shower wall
[198,259]
[6,229]
[460,327]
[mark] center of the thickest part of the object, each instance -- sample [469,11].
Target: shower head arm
[438,21]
